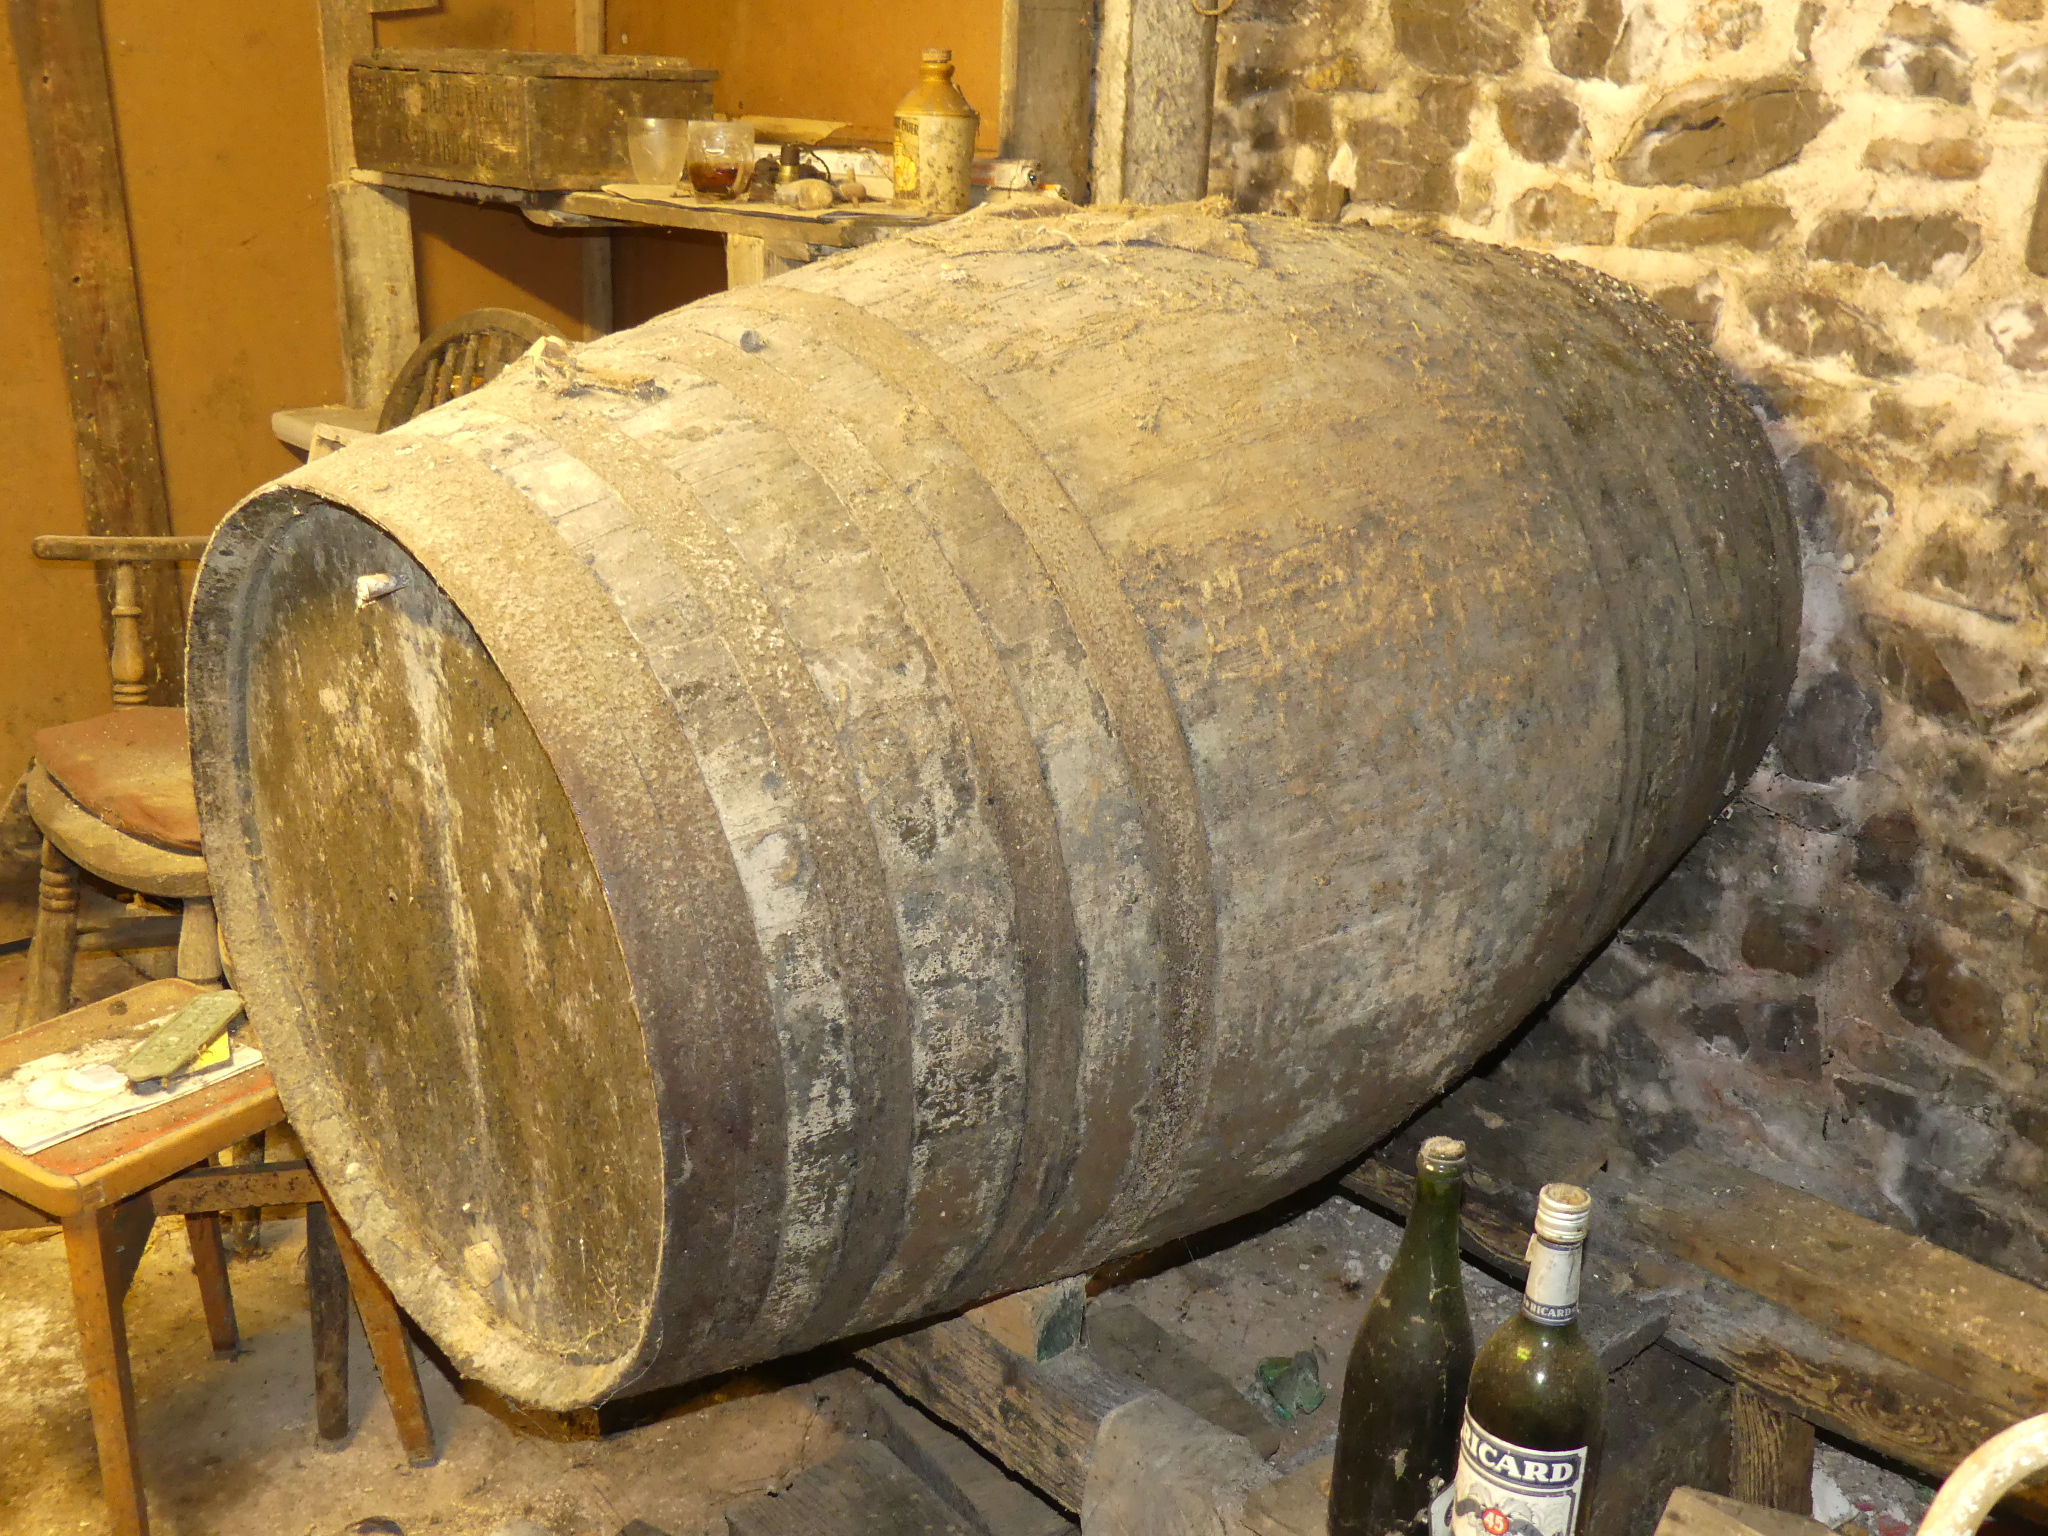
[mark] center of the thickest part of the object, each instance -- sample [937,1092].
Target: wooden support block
[327,1302]
[1045,1321]
[1978,1330]
[753,259]
[1694,1513]
[1667,1427]
[1039,1419]
[966,1480]
[1123,1339]
[1773,1454]
[861,1488]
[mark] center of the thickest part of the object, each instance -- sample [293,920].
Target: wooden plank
[1838,1385]
[1048,63]
[1124,1340]
[375,284]
[1980,1331]
[237,1188]
[1039,1420]
[1692,1512]
[972,1485]
[861,1488]
[82,205]
[1772,1452]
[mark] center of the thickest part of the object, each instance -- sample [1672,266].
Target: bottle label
[1551,1294]
[1504,1489]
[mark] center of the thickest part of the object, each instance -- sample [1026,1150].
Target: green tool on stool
[176,1043]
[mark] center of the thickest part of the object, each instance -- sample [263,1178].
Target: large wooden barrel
[978,756]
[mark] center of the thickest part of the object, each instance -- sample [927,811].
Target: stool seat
[131,768]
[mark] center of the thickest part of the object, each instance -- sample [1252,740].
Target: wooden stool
[106,1188]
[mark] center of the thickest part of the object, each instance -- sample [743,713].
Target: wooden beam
[1039,1419]
[236,1188]
[1693,1513]
[81,202]
[375,284]
[1046,112]
[1980,1331]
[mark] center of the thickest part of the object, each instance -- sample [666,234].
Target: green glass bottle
[1537,1412]
[1404,1384]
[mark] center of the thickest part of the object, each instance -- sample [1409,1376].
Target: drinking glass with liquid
[721,158]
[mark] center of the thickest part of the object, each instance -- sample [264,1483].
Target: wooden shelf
[607,210]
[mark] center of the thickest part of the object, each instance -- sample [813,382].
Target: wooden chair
[465,354]
[112,795]
[107,1187]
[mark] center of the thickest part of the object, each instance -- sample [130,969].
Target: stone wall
[1841,985]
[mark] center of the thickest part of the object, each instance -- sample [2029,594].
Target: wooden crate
[538,121]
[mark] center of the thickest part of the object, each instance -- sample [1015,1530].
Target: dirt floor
[228,1446]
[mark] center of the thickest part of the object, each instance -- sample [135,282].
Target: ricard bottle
[1404,1385]
[1535,1415]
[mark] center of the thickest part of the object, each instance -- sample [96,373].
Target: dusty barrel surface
[909,780]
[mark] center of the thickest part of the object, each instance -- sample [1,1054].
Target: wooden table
[761,239]
[106,1187]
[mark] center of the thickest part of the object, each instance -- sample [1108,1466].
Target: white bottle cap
[938,55]
[1563,1213]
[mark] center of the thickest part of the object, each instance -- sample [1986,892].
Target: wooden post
[82,204]
[1048,68]
[1155,68]
[1773,1454]
[384,1326]
[595,247]
[375,286]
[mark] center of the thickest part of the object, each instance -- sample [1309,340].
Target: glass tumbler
[659,148]
[721,158]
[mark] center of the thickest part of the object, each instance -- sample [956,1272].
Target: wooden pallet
[1733,1313]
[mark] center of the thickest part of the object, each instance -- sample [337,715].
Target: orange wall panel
[847,59]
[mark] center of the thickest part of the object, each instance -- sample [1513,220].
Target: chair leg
[243,1229]
[103,1247]
[384,1324]
[210,1266]
[327,1301]
[199,943]
[54,947]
